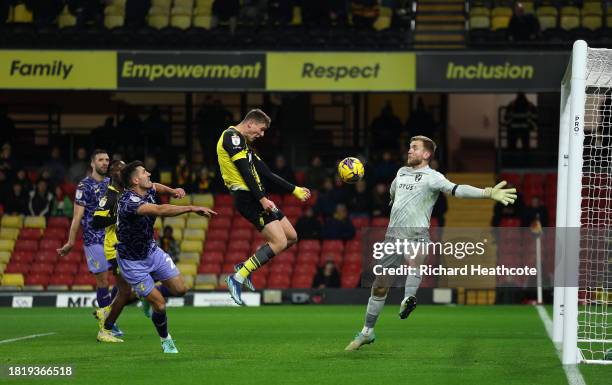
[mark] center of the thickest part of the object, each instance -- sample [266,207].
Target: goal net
[587,308]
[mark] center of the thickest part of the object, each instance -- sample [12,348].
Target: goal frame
[569,199]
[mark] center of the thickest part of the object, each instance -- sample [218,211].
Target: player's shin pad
[260,258]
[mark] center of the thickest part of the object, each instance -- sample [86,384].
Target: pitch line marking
[574,377]
[25,337]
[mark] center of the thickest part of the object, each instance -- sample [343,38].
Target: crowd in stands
[539,21]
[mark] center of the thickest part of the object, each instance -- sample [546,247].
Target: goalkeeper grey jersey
[413,195]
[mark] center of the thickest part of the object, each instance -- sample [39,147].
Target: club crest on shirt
[418,177]
[79,194]
[235,140]
[102,202]
[135,199]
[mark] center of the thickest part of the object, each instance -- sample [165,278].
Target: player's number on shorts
[172,265]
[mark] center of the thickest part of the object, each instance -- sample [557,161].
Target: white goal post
[582,311]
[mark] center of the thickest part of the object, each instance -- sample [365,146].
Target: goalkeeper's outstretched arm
[498,193]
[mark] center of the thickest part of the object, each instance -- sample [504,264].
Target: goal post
[583,301]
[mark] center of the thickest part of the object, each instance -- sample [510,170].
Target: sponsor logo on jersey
[135,199]
[418,177]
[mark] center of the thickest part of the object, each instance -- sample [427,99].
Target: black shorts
[251,209]
[114,266]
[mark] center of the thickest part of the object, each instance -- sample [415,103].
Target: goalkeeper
[240,168]
[414,192]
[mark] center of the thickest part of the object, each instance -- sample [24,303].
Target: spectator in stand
[339,226]
[441,205]
[511,211]
[62,205]
[182,175]
[316,12]
[22,178]
[380,201]
[16,202]
[5,8]
[8,164]
[329,197]
[136,12]
[45,12]
[327,276]
[157,132]
[226,11]
[534,211]
[386,129]
[282,169]
[150,164]
[421,121]
[212,119]
[386,169]
[55,167]
[253,12]
[168,244]
[308,226]
[280,12]
[360,203]
[5,187]
[523,26]
[521,117]
[365,12]
[105,135]
[315,174]
[78,168]
[204,181]
[41,199]
[338,12]
[7,125]
[87,12]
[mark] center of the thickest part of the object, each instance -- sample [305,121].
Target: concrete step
[441,37]
[437,17]
[427,27]
[440,7]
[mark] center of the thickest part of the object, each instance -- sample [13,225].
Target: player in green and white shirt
[414,192]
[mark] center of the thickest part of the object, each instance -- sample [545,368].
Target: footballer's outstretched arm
[172,210]
[165,190]
[302,193]
[497,193]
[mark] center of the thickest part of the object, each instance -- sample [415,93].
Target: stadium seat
[175,222]
[50,244]
[66,19]
[180,18]
[21,14]
[591,21]
[284,257]
[58,222]
[13,221]
[224,211]
[73,256]
[2,268]
[41,268]
[12,280]
[191,257]
[500,18]
[85,279]
[15,266]
[209,268]
[26,244]
[279,282]
[158,21]
[194,235]
[223,200]
[227,268]
[202,21]
[185,201]
[198,223]
[47,256]
[25,256]
[187,268]
[37,279]
[309,245]
[259,280]
[54,233]
[30,234]
[277,268]
[349,281]
[206,282]
[351,268]
[211,257]
[66,269]
[547,16]
[206,200]
[218,234]
[336,258]
[236,256]
[35,222]
[332,246]
[292,211]
[239,222]
[308,269]
[191,246]
[302,281]
[241,234]
[570,18]
[305,257]
[60,280]
[5,256]
[380,222]
[9,233]
[353,245]
[113,21]
[513,178]
[212,245]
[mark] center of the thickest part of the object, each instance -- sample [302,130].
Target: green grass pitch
[294,345]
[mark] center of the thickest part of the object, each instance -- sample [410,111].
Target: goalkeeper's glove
[502,195]
[301,193]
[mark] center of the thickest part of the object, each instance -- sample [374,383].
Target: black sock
[161,323]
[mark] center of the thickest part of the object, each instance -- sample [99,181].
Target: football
[350,170]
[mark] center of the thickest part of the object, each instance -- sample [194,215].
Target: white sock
[239,277]
[169,337]
[366,331]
